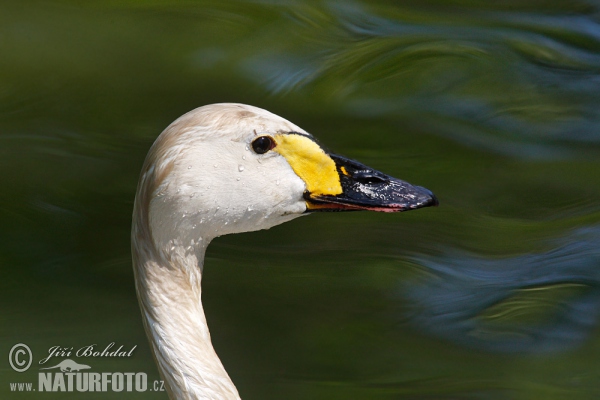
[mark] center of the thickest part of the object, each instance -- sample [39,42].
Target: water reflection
[510,83]
[529,303]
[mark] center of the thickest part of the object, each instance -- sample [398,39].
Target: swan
[221,169]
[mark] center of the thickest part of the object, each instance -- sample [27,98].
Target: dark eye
[262,144]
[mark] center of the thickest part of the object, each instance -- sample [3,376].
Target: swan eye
[262,144]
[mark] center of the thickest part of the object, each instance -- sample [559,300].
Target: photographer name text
[92,350]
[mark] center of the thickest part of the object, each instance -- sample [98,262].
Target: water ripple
[528,303]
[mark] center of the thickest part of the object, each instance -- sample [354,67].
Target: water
[494,107]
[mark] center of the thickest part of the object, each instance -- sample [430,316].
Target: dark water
[495,106]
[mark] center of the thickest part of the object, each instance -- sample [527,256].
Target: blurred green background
[494,106]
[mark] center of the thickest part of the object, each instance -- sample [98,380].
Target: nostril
[367,178]
[370,180]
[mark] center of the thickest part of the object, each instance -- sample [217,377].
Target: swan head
[231,168]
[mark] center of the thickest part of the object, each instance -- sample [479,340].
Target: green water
[494,106]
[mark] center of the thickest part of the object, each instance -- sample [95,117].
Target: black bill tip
[433,201]
[367,189]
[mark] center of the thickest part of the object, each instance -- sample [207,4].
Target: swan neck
[169,291]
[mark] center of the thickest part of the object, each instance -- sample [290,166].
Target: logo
[20,357]
[69,375]
[69,366]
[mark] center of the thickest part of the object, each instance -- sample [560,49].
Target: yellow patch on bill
[310,163]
